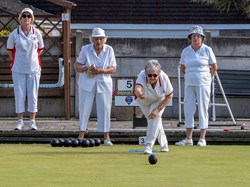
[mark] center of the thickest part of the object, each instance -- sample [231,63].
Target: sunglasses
[152,75]
[24,16]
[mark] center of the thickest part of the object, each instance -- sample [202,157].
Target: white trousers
[201,95]
[26,85]
[155,127]
[103,108]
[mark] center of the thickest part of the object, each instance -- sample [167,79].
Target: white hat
[27,10]
[98,32]
[196,29]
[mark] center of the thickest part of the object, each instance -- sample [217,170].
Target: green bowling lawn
[42,165]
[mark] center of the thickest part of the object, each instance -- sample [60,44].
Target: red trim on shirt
[39,59]
[170,93]
[159,81]
[138,84]
[13,57]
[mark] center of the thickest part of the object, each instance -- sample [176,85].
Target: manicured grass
[42,165]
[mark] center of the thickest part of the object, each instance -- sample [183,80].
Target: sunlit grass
[43,165]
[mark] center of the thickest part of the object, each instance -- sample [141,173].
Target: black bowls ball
[152,159]
[97,142]
[54,142]
[85,143]
[74,142]
[67,143]
[91,142]
[61,142]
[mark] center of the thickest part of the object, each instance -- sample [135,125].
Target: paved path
[121,131]
[72,124]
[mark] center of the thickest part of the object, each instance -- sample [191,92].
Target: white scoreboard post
[125,92]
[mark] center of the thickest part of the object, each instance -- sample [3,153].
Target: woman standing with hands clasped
[153,92]
[25,45]
[95,63]
[198,64]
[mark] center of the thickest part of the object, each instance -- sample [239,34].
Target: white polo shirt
[163,88]
[26,59]
[104,60]
[197,65]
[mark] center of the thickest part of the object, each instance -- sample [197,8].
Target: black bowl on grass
[85,143]
[152,159]
[61,142]
[54,142]
[91,143]
[97,142]
[67,143]
[74,143]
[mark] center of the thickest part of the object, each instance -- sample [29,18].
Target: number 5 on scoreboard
[126,85]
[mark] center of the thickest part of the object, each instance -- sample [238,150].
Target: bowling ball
[61,142]
[80,141]
[97,142]
[91,142]
[74,142]
[54,142]
[152,159]
[85,143]
[67,143]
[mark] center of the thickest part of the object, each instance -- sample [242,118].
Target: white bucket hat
[98,32]
[196,29]
[27,10]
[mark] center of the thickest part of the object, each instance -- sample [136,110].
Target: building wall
[132,54]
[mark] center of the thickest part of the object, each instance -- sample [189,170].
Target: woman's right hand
[141,95]
[138,92]
[79,67]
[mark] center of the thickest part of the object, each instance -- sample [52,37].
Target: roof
[15,7]
[144,12]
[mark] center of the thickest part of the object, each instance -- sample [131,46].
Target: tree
[225,5]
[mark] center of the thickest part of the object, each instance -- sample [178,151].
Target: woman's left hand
[97,71]
[213,69]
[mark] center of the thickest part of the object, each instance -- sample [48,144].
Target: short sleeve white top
[197,65]
[163,88]
[26,59]
[104,60]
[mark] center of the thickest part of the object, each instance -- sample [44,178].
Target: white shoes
[188,142]
[164,148]
[32,125]
[148,149]
[202,143]
[19,125]
[108,143]
[185,142]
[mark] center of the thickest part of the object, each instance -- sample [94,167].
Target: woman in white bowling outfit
[95,63]
[25,45]
[153,92]
[198,64]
